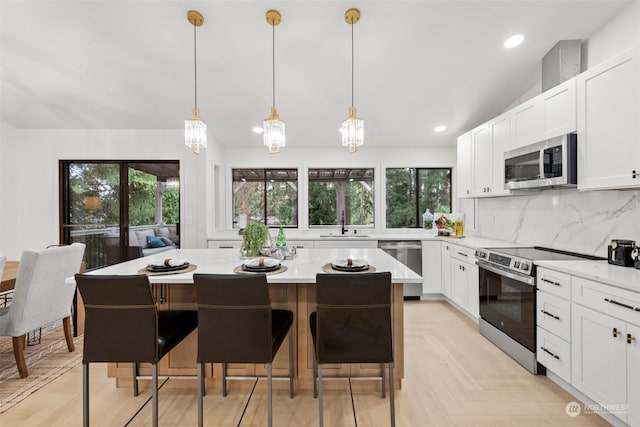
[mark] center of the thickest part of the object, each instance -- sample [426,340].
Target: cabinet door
[464,172]
[431,267]
[598,356]
[527,123]
[482,160]
[459,293]
[609,123]
[559,110]
[500,130]
[473,291]
[633,374]
[446,269]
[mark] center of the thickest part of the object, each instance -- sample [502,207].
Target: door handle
[549,314]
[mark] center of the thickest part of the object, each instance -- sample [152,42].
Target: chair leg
[19,344]
[135,379]
[85,394]
[315,376]
[290,365]
[224,380]
[154,384]
[269,397]
[384,380]
[68,333]
[392,402]
[200,393]
[320,415]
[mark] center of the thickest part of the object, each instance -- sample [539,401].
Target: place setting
[348,265]
[261,265]
[168,266]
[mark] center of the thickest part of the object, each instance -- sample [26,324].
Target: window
[335,194]
[411,191]
[266,195]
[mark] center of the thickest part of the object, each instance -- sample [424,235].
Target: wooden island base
[299,298]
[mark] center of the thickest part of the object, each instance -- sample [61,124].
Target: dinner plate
[164,268]
[353,268]
[260,269]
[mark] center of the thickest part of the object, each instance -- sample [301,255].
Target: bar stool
[238,325]
[122,324]
[352,324]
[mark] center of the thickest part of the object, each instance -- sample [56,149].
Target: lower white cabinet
[445,251]
[345,242]
[224,244]
[464,280]
[431,267]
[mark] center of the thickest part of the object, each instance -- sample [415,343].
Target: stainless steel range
[508,297]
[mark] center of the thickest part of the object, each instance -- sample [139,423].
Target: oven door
[508,302]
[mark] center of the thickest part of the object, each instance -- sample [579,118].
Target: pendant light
[273,134]
[195,130]
[352,128]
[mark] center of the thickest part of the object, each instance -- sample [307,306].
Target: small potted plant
[255,239]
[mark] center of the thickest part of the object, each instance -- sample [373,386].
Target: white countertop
[302,269]
[622,277]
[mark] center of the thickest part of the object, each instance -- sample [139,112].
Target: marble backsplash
[565,219]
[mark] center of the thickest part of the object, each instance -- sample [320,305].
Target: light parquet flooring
[453,377]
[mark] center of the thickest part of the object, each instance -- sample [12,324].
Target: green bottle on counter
[280,240]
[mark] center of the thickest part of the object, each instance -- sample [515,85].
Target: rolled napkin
[168,262]
[350,263]
[262,262]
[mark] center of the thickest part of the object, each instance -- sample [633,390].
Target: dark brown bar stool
[238,325]
[352,324]
[122,324]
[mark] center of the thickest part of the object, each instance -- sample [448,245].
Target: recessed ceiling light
[440,128]
[258,129]
[513,41]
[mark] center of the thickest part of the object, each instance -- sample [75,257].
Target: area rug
[45,361]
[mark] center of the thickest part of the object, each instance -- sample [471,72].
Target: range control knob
[524,266]
[481,254]
[516,264]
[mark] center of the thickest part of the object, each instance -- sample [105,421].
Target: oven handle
[524,279]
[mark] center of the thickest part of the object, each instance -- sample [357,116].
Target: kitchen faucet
[344,229]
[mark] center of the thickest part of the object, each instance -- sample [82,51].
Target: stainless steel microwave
[548,163]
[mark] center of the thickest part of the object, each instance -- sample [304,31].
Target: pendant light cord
[195,67]
[352,60]
[273,60]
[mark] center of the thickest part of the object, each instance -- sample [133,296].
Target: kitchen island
[293,289]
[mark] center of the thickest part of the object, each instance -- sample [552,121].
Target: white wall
[336,156]
[570,219]
[30,191]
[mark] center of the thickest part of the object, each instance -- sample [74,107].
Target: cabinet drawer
[555,354]
[607,299]
[554,282]
[463,254]
[554,315]
[300,244]
[224,244]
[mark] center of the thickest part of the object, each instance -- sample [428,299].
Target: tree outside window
[335,194]
[411,191]
[266,195]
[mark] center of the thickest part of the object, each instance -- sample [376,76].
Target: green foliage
[254,237]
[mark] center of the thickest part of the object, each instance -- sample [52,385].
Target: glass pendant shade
[273,135]
[195,132]
[352,130]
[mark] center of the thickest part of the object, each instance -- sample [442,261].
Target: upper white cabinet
[609,123]
[464,164]
[550,114]
[500,129]
[482,160]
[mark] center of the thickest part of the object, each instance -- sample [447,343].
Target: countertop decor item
[254,239]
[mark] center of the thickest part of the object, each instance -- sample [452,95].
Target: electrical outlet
[491,219]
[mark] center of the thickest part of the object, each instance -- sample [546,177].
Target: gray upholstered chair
[122,324]
[41,296]
[236,324]
[352,324]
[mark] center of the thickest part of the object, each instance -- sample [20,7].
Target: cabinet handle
[463,254]
[549,314]
[612,301]
[615,332]
[550,281]
[634,174]
[630,338]
[225,247]
[548,352]
[460,267]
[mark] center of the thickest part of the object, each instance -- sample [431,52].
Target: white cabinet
[605,364]
[464,280]
[482,160]
[300,244]
[224,244]
[431,267]
[500,129]
[445,250]
[464,173]
[550,114]
[609,123]
[345,242]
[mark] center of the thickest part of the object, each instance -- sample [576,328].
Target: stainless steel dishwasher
[408,252]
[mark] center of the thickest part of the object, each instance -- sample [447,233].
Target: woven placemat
[239,270]
[328,269]
[191,267]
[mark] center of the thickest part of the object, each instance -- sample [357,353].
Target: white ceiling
[418,64]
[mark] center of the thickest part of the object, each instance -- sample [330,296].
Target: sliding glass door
[104,203]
